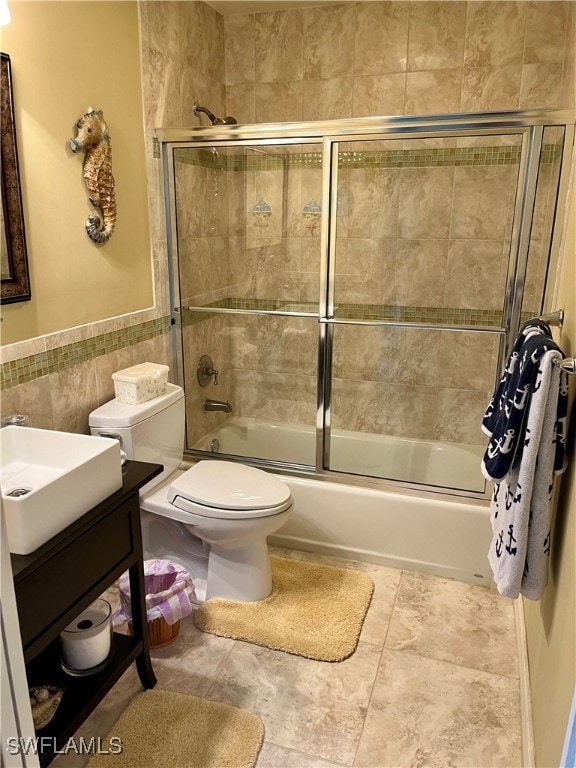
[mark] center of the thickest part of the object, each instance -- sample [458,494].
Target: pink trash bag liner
[169,593]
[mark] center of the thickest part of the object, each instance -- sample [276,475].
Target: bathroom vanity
[59,580]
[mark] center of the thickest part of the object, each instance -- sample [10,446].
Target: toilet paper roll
[86,641]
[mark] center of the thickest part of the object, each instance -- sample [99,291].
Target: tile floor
[433,682]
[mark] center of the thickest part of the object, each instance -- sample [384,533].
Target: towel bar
[568,364]
[557,319]
[553,318]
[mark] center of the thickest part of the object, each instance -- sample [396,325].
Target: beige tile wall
[205,273]
[63,400]
[405,237]
[396,58]
[209,337]
[443,239]
[548,178]
[183,62]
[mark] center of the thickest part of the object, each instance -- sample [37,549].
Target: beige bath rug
[161,729]
[314,610]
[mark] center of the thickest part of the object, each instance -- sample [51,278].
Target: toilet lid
[224,485]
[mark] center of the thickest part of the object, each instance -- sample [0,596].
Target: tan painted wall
[551,623]
[67,56]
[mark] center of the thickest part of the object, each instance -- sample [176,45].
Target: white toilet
[230,507]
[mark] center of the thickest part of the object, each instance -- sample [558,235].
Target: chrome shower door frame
[329,134]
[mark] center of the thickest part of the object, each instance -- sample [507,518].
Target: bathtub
[443,535]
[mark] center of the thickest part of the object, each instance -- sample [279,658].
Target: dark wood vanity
[59,580]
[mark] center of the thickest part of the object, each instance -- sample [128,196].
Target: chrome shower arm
[197,109]
[228,120]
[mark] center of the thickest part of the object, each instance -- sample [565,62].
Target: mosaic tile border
[29,368]
[426,315]
[431,315]
[431,158]
[404,158]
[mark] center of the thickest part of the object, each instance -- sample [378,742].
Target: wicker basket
[160,633]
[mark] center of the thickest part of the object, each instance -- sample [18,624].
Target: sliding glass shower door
[418,276]
[344,292]
[248,242]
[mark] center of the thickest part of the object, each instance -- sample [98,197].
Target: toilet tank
[152,431]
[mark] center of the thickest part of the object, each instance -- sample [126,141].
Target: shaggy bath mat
[164,728]
[314,611]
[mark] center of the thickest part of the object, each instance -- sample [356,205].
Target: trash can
[169,594]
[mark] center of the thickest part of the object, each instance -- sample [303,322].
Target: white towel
[535,576]
[520,507]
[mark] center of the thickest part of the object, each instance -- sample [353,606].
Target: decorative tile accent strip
[431,158]
[429,315]
[29,368]
[551,152]
[392,158]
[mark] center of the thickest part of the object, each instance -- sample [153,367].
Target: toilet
[221,508]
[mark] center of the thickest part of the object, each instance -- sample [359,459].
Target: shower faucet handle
[206,371]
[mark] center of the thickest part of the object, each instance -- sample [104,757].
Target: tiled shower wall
[383,58]
[204,258]
[183,62]
[422,234]
[444,240]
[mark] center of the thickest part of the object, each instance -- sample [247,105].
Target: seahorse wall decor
[93,138]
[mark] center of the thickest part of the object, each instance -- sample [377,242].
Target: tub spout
[217,405]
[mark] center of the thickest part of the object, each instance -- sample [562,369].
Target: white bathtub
[447,536]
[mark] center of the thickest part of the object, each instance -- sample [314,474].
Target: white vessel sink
[49,479]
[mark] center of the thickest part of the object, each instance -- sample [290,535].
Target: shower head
[212,117]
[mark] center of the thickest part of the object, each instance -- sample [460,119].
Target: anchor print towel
[506,416]
[520,506]
[499,398]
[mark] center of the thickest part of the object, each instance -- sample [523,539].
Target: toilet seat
[229,507]
[228,491]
